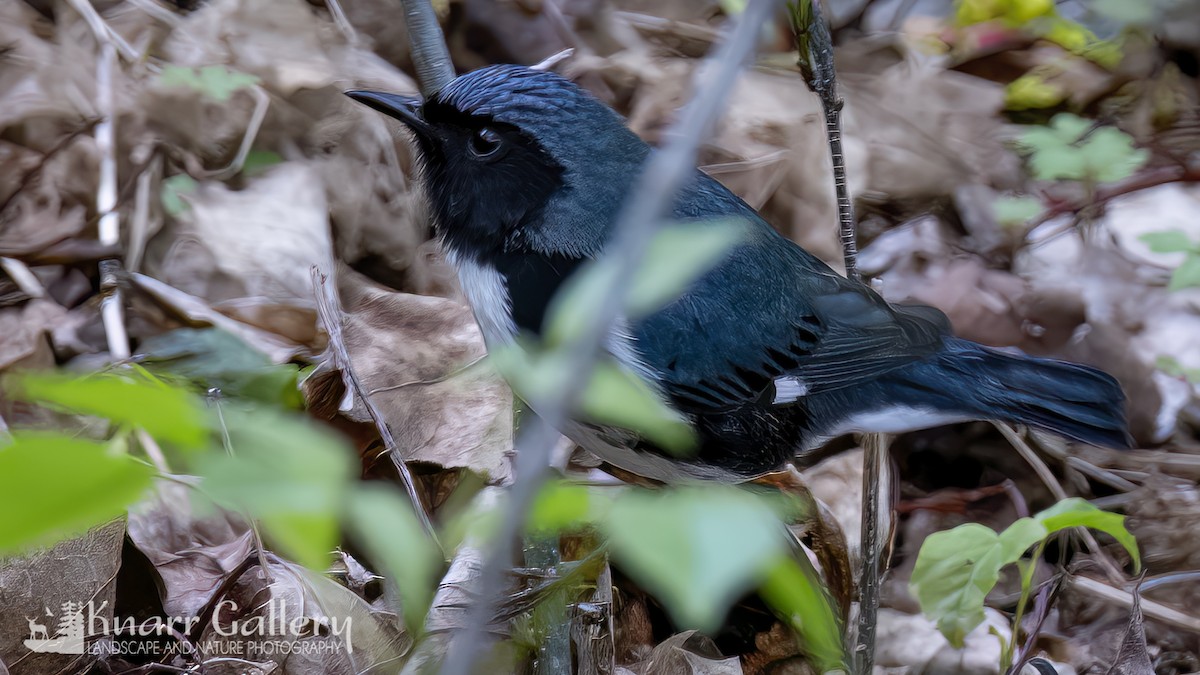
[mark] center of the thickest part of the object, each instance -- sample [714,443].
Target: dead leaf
[256,242]
[26,330]
[1132,657]
[37,588]
[192,555]
[410,352]
[302,622]
[688,653]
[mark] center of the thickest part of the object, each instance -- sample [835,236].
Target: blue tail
[1068,399]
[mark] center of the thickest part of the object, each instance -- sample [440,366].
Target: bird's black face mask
[486,181]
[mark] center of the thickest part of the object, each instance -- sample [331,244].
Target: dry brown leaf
[319,626]
[192,555]
[26,330]
[688,653]
[408,351]
[260,241]
[35,588]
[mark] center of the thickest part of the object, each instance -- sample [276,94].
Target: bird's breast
[488,296]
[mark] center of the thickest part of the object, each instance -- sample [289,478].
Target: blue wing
[772,322]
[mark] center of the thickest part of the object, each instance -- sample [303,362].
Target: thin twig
[815,51]
[329,310]
[816,62]
[870,581]
[104,33]
[111,308]
[261,102]
[664,174]
[430,56]
[1151,609]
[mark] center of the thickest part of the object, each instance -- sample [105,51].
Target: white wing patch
[789,389]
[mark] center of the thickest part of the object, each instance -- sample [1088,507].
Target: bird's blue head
[515,159]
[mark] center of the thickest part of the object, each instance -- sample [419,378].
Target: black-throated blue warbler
[769,355]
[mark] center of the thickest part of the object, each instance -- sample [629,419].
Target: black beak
[404,108]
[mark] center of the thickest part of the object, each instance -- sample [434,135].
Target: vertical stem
[430,56]
[875,454]
[111,310]
[846,222]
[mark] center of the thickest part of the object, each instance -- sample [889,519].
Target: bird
[768,355]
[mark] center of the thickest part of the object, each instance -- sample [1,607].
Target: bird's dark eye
[485,142]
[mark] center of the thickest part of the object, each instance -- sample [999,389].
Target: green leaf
[216,82]
[1168,241]
[53,486]
[211,358]
[798,597]
[1031,91]
[678,255]
[1012,211]
[613,396]
[173,191]
[1069,149]
[954,572]
[956,569]
[1076,512]
[1186,275]
[288,472]
[618,397]
[167,413]
[383,522]
[258,161]
[561,506]
[697,549]
[1125,12]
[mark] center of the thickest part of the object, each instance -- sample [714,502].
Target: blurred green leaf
[1012,211]
[800,599]
[1031,91]
[678,255]
[1169,241]
[613,396]
[560,506]
[1187,274]
[258,161]
[1069,149]
[618,397]
[173,191]
[1141,13]
[211,358]
[696,549]
[383,522]
[290,473]
[216,82]
[54,486]
[167,413]
[1171,366]
[1076,512]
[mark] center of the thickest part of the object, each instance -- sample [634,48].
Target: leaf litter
[935,142]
